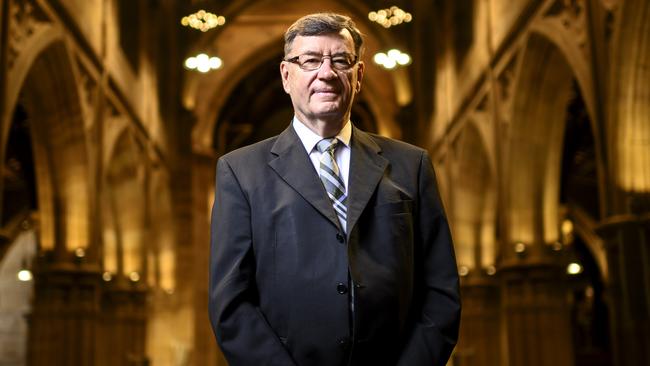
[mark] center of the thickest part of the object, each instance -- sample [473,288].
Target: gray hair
[323,23]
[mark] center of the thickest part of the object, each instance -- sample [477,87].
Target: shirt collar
[309,138]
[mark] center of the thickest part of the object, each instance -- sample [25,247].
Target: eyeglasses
[313,61]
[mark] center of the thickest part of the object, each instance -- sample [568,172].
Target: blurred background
[536,114]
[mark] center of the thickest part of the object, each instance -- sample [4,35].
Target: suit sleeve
[436,316]
[242,332]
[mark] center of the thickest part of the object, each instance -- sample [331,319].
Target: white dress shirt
[342,153]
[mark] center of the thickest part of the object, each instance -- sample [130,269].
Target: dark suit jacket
[280,265]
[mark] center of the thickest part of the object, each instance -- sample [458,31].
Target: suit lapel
[367,168]
[292,164]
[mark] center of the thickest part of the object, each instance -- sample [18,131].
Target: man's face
[324,94]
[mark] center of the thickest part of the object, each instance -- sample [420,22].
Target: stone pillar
[536,315]
[627,242]
[203,174]
[78,319]
[123,323]
[63,324]
[480,326]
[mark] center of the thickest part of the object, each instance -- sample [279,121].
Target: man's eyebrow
[314,53]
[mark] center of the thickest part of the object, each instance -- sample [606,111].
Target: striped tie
[329,175]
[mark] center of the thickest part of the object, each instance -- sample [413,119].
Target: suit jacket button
[341,288]
[340,237]
[343,342]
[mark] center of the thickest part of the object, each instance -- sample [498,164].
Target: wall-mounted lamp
[520,248]
[80,252]
[574,268]
[134,276]
[107,276]
[463,271]
[25,275]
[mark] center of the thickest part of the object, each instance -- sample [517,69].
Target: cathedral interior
[536,114]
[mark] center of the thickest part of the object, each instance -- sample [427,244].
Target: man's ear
[360,68]
[284,73]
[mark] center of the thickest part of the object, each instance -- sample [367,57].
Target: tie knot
[327,145]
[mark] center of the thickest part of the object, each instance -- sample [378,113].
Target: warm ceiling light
[203,20]
[574,268]
[392,59]
[203,63]
[390,17]
[25,275]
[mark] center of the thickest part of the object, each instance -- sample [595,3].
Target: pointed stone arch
[544,87]
[551,73]
[474,201]
[535,152]
[125,199]
[44,82]
[473,216]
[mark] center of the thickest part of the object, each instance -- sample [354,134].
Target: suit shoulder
[390,145]
[251,153]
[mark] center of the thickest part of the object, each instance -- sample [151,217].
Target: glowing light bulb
[25,275]
[134,276]
[574,268]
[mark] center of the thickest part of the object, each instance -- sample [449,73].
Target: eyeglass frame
[294,60]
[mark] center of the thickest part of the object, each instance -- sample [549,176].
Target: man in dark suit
[330,245]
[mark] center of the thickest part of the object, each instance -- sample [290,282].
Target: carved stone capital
[571,16]
[25,17]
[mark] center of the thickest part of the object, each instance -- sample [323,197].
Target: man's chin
[333,114]
[329,117]
[326,108]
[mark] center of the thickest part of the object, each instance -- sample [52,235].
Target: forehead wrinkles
[314,53]
[335,43]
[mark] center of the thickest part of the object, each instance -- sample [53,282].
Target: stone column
[627,242]
[63,324]
[123,323]
[535,310]
[480,327]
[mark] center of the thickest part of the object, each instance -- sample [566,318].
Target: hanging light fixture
[203,20]
[392,59]
[203,63]
[390,17]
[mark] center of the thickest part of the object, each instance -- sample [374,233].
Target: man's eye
[341,61]
[311,61]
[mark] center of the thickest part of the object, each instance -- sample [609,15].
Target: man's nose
[326,71]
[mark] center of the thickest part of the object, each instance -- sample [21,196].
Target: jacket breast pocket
[393,208]
[392,224]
